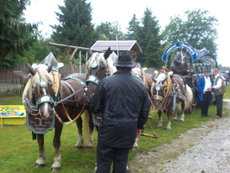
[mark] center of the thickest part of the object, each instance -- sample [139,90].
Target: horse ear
[107,53]
[31,70]
[90,53]
[154,80]
[50,68]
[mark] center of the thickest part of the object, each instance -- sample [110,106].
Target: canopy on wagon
[196,56]
[117,45]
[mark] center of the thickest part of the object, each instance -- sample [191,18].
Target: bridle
[164,98]
[45,98]
[93,78]
[33,109]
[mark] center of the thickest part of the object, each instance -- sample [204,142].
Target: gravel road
[201,150]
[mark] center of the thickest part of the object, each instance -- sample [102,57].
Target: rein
[66,98]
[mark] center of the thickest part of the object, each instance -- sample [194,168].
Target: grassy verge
[11,100]
[18,151]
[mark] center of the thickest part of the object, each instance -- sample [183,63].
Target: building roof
[120,45]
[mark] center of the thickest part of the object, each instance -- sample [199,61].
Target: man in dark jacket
[180,63]
[122,100]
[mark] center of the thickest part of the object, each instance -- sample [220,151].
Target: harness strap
[77,80]
[66,98]
[166,95]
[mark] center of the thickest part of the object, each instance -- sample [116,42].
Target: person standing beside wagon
[204,86]
[219,89]
[122,100]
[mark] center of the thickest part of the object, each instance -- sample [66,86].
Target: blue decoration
[176,45]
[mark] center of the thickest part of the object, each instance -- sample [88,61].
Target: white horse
[169,93]
[189,106]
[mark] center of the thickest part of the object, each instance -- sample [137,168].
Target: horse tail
[189,94]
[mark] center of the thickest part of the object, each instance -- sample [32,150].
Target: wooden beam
[74,47]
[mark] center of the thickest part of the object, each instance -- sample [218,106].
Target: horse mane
[34,82]
[166,69]
[138,70]
[43,74]
[96,56]
[110,62]
[107,62]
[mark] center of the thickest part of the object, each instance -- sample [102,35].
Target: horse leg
[40,162]
[91,129]
[160,119]
[80,141]
[182,111]
[169,112]
[175,113]
[135,145]
[138,133]
[57,143]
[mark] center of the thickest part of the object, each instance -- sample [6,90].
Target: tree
[149,38]
[15,35]
[75,26]
[133,28]
[109,31]
[37,52]
[196,28]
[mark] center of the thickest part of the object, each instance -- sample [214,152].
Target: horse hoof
[135,147]
[55,169]
[79,147]
[88,147]
[39,165]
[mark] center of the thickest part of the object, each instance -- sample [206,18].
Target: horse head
[98,67]
[160,87]
[41,90]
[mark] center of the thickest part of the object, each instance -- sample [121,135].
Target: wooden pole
[74,47]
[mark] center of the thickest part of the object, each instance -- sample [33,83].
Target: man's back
[125,108]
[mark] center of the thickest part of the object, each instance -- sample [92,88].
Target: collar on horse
[93,79]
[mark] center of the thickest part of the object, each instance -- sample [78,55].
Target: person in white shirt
[204,86]
[219,89]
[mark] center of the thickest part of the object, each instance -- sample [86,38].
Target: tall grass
[18,151]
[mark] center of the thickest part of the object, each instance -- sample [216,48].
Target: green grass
[18,151]
[11,100]
[227,92]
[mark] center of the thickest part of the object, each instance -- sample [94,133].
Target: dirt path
[194,151]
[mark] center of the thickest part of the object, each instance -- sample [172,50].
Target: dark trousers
[107,155]
[205,103]
[219,104]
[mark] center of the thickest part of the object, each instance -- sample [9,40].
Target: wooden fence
[12,81]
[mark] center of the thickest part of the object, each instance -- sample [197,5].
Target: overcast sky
[121,11]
